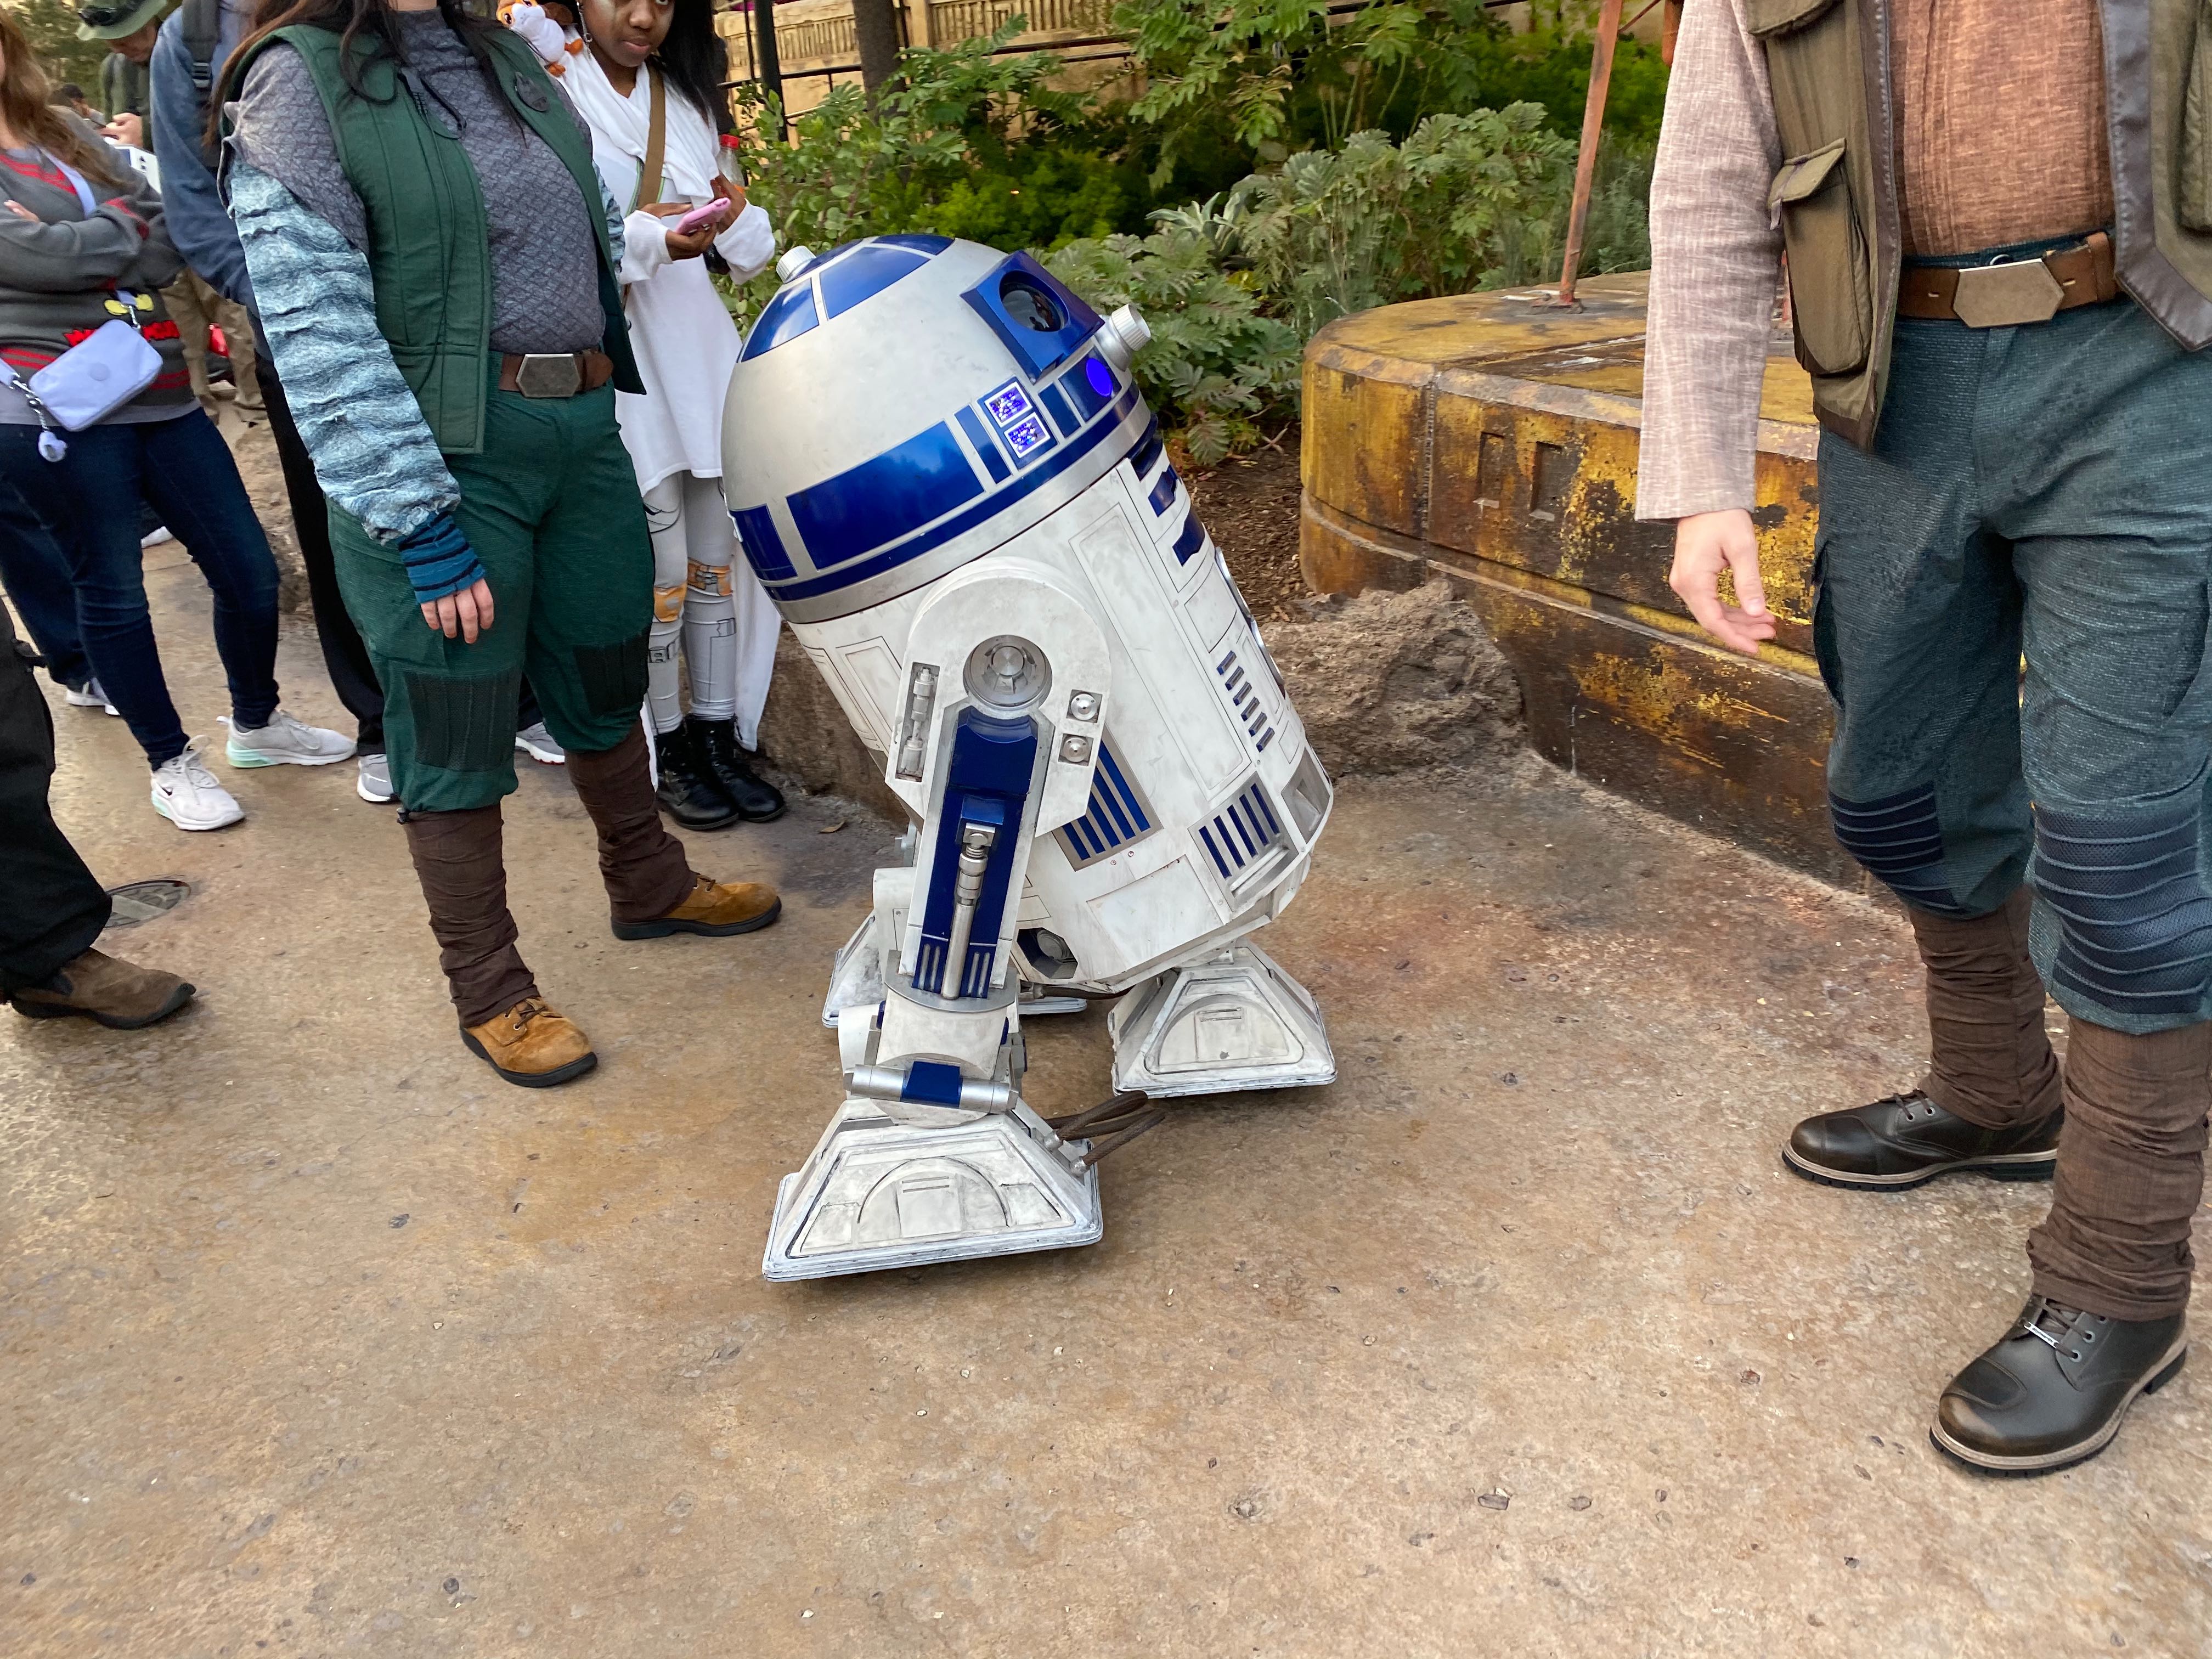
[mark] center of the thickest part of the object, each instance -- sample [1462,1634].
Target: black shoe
[759,801]
[2054,1390]
[688,792]
[1908,1138]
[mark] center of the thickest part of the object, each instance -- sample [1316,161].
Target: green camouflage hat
[114,19]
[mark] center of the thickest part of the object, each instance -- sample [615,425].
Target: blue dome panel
[787,317]
[868,270]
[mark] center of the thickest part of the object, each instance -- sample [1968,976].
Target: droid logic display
[942,472]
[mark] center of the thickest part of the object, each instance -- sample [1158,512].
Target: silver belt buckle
[549,375]
[2007,294]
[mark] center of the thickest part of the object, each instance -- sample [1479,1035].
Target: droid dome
[904,404]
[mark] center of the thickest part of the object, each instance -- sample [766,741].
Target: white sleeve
[644,246]
[748,244]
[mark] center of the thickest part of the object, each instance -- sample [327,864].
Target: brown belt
[2014,292]
[554,374]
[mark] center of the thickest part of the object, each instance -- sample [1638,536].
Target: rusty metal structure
[1490,440]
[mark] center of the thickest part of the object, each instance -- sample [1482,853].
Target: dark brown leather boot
[118,995]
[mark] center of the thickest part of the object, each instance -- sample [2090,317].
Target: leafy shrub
[1333,232]
[1219,369]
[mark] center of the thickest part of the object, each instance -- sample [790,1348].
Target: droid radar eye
[1027,304]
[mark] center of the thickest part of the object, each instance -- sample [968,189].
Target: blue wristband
[439,561]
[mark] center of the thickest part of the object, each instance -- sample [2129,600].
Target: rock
[1397,682]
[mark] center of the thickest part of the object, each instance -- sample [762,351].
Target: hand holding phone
[707,213]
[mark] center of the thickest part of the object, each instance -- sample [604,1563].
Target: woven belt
[554,374]
[2014,291]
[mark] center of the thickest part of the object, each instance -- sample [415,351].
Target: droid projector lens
[1027,304]
[1007,672]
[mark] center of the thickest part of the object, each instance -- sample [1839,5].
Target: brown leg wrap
[643,866]
[463,876]
[1991,1061]
[2130,1172]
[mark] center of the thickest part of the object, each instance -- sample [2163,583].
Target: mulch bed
[1250,504]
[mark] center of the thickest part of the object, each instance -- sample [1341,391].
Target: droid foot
[876,1193]
[1231,1020]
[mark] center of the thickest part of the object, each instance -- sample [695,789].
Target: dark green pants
[551,507]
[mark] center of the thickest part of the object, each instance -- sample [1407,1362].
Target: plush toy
[544,28]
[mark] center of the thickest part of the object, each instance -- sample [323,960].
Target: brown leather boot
[712,908]
[530,1045]
[120,995]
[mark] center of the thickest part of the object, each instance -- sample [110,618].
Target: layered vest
[1835,196]
[429,254]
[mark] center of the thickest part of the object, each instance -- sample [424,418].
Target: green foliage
[51,26]
[1404,151]
[1333,232]
[1218,368]
[1250,82]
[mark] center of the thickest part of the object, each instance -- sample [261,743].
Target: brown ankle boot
[712,908]
[530,1045]
[118,995]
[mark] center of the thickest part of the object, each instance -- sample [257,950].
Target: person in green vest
[434,260]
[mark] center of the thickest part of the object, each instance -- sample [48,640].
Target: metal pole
[1608,33]
[767,67]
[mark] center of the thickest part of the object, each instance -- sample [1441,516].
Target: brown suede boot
[532,1046]
[712,908]
[118,995]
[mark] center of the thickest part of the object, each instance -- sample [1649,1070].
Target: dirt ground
[317,1339]
[1250,505]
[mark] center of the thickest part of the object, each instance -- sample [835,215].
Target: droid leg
[1229,1019]
[934,1155]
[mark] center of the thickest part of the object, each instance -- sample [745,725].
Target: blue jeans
[90,499]
[36,573]
[2041,493]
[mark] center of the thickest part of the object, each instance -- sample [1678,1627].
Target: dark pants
[51,908]
[91,497]
[556,520]
[36,571]
[353,676]
[2045,492]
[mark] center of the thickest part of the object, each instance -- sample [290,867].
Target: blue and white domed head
[904,404]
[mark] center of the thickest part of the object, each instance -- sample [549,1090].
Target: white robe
[685,342]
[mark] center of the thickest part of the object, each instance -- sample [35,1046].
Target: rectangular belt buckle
[549,375]
[2007,294]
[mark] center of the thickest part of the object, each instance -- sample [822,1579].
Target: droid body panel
[941,469]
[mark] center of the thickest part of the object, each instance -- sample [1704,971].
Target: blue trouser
[2044,491]
[36,571]
[91,499]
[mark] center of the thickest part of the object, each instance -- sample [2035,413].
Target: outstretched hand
[1706,543]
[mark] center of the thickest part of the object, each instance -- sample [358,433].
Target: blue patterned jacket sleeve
[373,452]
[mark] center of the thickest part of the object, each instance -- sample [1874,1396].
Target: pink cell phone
[703,214]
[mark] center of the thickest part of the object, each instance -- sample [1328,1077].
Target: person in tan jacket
[1998,221]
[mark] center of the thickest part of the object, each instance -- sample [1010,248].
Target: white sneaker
[540,746]
[286,742]
[155,537]
[187,793]
[375,784]
[91,697]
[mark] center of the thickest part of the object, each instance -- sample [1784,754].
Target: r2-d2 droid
[942,472]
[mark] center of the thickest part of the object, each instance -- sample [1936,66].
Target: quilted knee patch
[668,603]
[464,725]
[711,580]
[613,676]
[1899,840]
[2135,919]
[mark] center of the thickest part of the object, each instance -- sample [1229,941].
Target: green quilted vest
[428,253]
